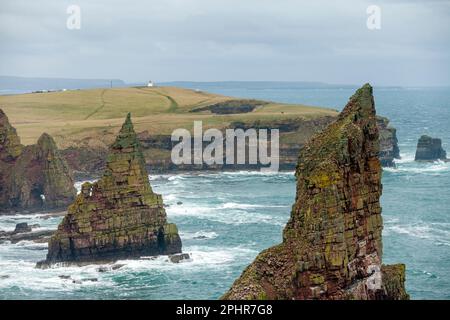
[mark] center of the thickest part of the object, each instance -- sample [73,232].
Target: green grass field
[77,116]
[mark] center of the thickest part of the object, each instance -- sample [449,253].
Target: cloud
[229,40]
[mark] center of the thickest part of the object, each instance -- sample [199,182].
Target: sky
[220,40]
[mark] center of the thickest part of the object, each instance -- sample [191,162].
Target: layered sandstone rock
[430,149]
[332,246]
[117,217]
[34,177]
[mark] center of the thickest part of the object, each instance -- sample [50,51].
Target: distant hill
[11,84]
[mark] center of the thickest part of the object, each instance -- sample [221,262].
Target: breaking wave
[424,231]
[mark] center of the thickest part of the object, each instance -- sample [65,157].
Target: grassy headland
[94,116]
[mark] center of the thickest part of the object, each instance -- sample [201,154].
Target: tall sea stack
[332,246]
[117,217]
[32,178]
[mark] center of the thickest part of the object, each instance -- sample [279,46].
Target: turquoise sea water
[225,219]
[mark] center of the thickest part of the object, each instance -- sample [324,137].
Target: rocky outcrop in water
[25,232]
[430,149]
[117,217]
[332,246]
[34,177]
[389,149]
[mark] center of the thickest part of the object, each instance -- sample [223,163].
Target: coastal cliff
[332,246]
[389,149]
[88,161]
[85,133]
[117,217]
[34,177]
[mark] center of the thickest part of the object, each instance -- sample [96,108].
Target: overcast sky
[210,40]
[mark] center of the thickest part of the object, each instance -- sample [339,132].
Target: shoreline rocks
[22,227]
[32,178]
[332,245]
[117,217]
[430,149]
[24,232]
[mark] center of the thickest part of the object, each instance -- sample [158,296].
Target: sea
[226,218]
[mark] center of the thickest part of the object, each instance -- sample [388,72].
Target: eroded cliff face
[32,178]
[389,150]
[117,217]
[332,246]
[88,161]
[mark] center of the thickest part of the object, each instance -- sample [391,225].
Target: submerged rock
[177,258]
[430,149]
[24,232]
[332,246]
[22,227]
[117,217]
[41,236]
[34,177]
[108,268]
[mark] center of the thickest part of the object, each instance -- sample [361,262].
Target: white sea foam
[224,215]
[177,177]
[421,168]
[420,230]
[405,158]
[234,205]
[201,257]
[155,177]
[23,275]
[78,184]
[169,197]
[46,221]
[259,173]
[24,216]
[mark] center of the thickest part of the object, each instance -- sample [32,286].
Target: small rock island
[117,217]
[34,177]
[332,246]
[430,149]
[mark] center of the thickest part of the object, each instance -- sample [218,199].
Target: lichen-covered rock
[117,217]
[10,147]
[394,282]
[34,177]
[331,245]
[430,149]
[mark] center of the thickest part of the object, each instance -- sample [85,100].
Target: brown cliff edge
[332,246]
